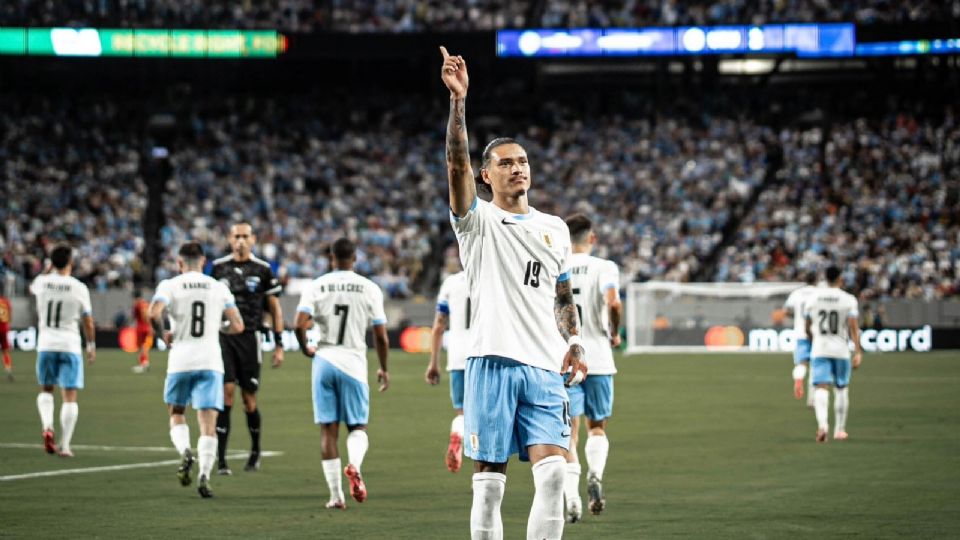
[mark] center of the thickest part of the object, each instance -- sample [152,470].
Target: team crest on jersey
[547,239]
[253,282]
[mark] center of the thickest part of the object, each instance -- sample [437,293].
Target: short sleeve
[272,284]
[443,297]
[35,286]
[470,222]
[162,294]
[306,302]
[854,308]
[609,277]
[377,314]
[228,300]
[567,252]
[790,301]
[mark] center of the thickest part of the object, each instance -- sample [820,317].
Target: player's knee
[361,427]
[178,409]
[487,467]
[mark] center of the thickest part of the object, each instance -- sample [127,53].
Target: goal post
[698,317]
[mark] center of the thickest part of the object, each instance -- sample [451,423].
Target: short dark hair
[580,226]
[832,273]
[191,251]
[61,256]
[343,249]
[487,155]
[810,278]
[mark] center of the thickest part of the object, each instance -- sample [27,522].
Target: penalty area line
[107,468]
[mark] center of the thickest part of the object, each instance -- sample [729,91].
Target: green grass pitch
[702,446]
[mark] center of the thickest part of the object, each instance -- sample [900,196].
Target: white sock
[799,371]
[457,425]
[596,450]
[45,406]
[207,451]
[841,406]
[810,389]
[546,513]
[331,471]
[821,406]
[180,435]
[68,421]
[485,521]
[571,482]
[357,444]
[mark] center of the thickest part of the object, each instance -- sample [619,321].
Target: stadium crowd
[434,15]
[663,186]
[886,208]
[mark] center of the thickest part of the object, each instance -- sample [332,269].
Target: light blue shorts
[593,397]
[59,368]
[801,353]
[510,406]
[834,371]
[456,388]
[338,397]
[201,389]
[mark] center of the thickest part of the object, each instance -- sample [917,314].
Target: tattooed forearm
[458,156]
[565,311]
[614,312]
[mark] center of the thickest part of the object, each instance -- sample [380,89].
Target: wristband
[91,346]
[277,337]
[574,340]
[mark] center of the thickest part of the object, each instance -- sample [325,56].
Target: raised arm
[463,189]
[568,323]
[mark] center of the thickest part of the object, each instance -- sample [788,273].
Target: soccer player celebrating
[6,314]
[63,302]
[453,313]
[253,285]
[525,333]
[197,304]
[343,304]
[142,321]
[595,283]
[794,307]
[831,322]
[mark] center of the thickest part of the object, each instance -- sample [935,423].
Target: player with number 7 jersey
[342,305]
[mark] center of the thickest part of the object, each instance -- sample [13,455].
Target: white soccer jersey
[795,302]
[513,263]
[61,302]
[454,301]
[592,277]
[828,310]
[343,305]
[196,303]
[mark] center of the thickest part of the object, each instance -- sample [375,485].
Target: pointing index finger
[443,51]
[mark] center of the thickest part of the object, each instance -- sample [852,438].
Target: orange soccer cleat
[455,453]
[821,435]
[358,490]
[49,445]
[798,388]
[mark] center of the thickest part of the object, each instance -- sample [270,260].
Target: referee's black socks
[253,424]
[223,433]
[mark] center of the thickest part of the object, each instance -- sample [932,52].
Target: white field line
[85,470]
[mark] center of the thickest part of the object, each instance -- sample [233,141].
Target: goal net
[695,317]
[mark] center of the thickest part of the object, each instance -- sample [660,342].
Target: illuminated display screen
[161,43]
[834,40]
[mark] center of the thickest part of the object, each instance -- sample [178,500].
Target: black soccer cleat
[183,473]
[223,469]
[203,488]
[253,462]
[595,491]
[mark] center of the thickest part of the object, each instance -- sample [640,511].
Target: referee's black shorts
[241,360]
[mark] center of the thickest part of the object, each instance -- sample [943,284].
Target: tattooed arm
[565,311]
[463,190]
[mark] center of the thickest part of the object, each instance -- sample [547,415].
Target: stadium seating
[434,15]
